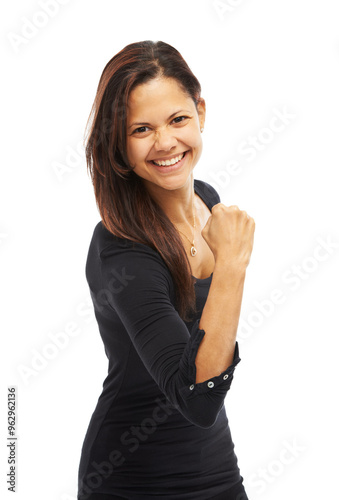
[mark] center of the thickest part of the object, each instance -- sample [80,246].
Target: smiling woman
[159,429]
[176,132]
[137,118]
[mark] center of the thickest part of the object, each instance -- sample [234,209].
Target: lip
[171,168]
[168,157]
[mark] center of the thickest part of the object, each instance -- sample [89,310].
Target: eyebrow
[146,123]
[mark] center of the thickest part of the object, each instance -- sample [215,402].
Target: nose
[164,140]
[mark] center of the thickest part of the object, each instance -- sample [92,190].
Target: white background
[254,59]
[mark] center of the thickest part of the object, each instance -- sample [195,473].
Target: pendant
[193,251]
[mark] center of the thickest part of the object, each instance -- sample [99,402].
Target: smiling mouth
[171,162]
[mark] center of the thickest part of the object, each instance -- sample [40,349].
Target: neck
[178,204]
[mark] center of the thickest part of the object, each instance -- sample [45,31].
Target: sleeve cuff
[218,384]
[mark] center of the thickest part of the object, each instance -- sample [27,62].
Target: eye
[178,117]
[137,130]
[140,130]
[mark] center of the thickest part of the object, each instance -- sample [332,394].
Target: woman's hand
[229,232]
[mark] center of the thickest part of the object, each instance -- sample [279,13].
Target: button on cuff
[216,386]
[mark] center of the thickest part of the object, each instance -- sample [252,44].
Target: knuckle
[233,208]
[216,206]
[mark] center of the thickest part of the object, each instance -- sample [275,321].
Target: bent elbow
[200,415]
[204,420]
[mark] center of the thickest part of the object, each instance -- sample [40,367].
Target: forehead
[157,93]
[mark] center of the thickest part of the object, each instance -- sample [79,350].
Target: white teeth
[169,162]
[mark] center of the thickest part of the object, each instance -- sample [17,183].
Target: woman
[166,268]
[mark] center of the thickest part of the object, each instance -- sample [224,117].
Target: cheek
[132,149]
[194,141]
[137,151]
[192,137]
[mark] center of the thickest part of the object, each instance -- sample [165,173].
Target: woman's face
[163,123]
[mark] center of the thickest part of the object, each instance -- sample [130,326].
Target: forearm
[220,318]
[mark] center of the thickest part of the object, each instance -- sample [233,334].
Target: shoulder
[113,252]
[209,194]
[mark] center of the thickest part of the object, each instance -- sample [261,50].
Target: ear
[201,107]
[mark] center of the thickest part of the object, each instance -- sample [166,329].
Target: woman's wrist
[224,265]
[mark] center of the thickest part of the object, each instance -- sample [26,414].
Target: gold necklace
[193,249]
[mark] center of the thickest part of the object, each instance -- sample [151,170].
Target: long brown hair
[125,205]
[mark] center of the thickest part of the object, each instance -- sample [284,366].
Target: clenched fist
[229,232]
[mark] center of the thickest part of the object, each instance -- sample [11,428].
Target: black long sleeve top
[154,432]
